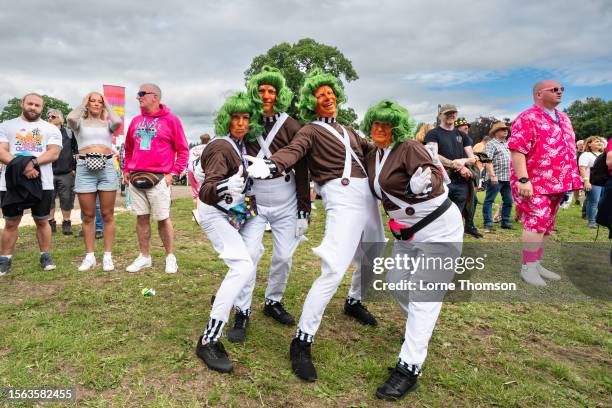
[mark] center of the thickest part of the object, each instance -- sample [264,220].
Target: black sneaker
[99,234]
[301,360]
[53,225]
[507,226]
[359,312]
[46,262]
[278,313]
[400,382]
[67,227]
[5,265]
[215,356]
[474,232]
[237,333]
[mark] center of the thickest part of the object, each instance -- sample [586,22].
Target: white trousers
[239,250]
[442,238]
[276,204]
[352,216]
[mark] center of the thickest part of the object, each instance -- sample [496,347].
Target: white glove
[432,149]
[196,169]
[232,186]
[420,182]
[260,168]
[301,226]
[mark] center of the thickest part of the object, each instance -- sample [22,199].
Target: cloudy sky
[482,56]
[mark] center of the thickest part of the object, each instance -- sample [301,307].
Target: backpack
[599,172]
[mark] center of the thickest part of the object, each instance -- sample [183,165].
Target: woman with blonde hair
[423,129]
[93,123]
[593,147]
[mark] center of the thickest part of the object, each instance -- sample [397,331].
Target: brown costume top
[324,152]
[283,137]
[219,161]
[404,159]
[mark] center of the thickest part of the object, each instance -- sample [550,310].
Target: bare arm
[609,159]
[519,164]
[5,155]
[50,155]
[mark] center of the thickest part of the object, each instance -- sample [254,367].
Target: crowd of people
[256,173]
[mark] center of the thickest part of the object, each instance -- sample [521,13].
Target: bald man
[544,168]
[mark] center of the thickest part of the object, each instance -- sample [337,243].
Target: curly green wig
[239,102]
[270,76]
[307,102]
[389,112]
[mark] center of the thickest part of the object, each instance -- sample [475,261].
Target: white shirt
[30,139]
[587,159]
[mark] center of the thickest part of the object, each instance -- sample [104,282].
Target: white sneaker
[545,273]
[107,264]
[530,274]
[171,265]
[89,262]
[139,263]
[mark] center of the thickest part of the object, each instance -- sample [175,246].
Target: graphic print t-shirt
[30,139]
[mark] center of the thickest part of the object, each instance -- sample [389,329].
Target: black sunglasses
[51,117]
[143,93]
[555,89]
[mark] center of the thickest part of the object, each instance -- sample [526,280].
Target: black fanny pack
[405,234]
[145,179]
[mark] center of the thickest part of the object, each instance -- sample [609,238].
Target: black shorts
[40,210]
[63,185]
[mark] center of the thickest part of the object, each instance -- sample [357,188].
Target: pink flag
[115,96]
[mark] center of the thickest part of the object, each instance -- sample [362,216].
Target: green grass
[94,330]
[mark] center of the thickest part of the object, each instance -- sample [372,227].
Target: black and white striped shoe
[215,356]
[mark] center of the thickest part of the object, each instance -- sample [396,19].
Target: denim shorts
[88,181]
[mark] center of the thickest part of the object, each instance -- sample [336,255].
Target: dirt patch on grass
[20,291]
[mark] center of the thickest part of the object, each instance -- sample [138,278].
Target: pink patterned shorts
[539,213]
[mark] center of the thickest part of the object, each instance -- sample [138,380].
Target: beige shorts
[154,201]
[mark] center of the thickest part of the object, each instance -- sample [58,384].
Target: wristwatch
[523,180]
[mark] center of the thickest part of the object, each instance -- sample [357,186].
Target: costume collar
[271,119]
[327,120]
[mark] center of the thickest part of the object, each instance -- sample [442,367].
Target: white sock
[90,255]
[108,254]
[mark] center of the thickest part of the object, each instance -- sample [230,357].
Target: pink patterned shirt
[549,148]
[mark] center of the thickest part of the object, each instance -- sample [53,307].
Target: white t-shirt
[30,139]
[587,159]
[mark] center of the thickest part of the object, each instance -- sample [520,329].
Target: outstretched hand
[258,169]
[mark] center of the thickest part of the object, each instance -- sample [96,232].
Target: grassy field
[96,332]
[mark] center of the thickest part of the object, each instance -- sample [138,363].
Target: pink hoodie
[167,152]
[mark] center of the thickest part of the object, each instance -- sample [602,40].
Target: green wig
[307,102]
[387,111]
[270,76]
[239,102]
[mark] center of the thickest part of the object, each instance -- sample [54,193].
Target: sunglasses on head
[143,93]
[555,89]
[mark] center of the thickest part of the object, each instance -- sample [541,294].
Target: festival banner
[115,96]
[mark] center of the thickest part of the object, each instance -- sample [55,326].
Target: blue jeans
[592,199]
[492,191]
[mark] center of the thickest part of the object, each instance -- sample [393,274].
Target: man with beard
[28,147]
[335,159]
[282,201]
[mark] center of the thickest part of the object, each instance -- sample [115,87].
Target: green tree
[591,117]
[13,107]
[480,127]
[294,60]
